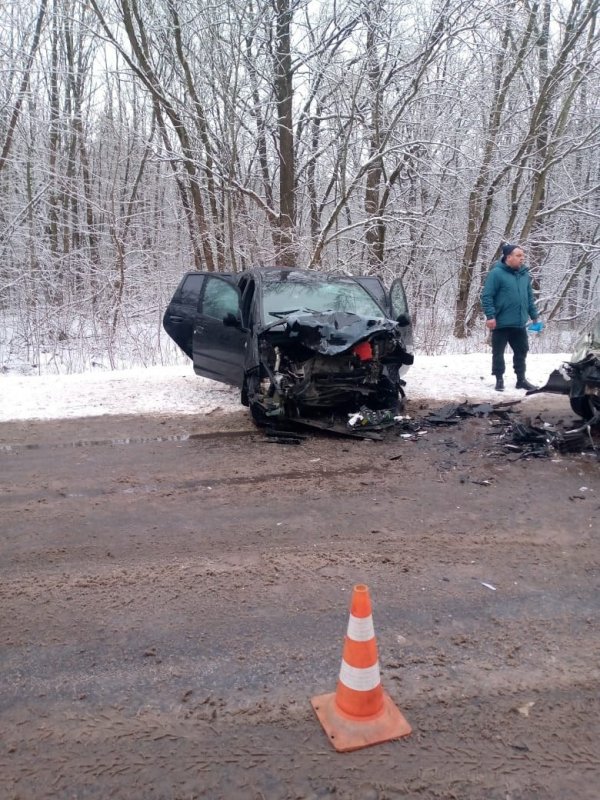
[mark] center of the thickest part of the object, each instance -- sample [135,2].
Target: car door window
[398,296]
[190,290]
[374,286]
[219,299]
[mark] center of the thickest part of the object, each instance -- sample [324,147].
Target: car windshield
[316,295]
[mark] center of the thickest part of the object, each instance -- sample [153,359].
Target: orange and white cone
[359,713]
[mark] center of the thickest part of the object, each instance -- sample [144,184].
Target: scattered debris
[525,708]
[446,415]
[366,419]
[539,441]
[337,426]
[517,438]
[488,586]
[282,436]
[283,440]
[452,413]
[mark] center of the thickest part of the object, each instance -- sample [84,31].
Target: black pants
[517,339]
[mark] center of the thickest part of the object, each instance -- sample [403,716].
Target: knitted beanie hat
[507,250]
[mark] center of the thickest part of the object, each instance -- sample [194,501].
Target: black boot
[523,383]
[499,387]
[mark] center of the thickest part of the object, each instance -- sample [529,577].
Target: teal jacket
[507,296]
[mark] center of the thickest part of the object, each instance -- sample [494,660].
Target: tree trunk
[284,95]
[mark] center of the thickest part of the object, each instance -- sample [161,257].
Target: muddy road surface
[174,591]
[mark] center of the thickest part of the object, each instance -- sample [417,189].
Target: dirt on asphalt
[174,591]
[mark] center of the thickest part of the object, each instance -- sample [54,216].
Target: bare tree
[138,140]
[16,110]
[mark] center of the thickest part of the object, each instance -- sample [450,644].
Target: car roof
[287,272]
[372,285]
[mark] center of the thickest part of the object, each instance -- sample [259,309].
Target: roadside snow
[176,390]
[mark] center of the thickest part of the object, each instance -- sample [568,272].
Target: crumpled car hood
[330,333]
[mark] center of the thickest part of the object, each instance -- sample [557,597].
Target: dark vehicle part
[557,383]
[297,343]
[584,394]
[535,441]
[580,377]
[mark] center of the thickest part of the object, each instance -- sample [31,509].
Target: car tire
[582,406]
[258,415]
[249,391]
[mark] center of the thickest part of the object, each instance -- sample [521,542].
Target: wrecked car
[580,377]
[297,343]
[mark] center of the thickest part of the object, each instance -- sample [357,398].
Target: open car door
[399,306]
[220,341]
[180,316]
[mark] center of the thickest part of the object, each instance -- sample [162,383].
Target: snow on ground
[176,390]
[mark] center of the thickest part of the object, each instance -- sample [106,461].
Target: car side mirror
[403,320]
[232,320]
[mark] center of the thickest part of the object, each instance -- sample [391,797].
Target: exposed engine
[296,379]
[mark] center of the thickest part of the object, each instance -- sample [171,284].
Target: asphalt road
[173,593]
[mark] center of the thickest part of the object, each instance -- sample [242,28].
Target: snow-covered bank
[176,390]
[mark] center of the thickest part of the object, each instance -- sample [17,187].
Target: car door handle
[176,319]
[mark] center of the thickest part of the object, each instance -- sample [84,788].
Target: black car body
[297,343]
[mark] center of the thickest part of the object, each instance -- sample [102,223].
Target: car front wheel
[244,395]
[585,405]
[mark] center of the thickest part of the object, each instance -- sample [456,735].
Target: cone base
[346,733]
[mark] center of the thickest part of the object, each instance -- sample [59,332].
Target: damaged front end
[580,377]
[584,391]
[316,363]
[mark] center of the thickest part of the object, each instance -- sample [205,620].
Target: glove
[536,327]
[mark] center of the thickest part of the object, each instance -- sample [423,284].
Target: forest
[140,139]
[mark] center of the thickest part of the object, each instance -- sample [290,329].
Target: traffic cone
[359,713]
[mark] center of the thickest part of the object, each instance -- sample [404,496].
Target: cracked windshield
[284,297]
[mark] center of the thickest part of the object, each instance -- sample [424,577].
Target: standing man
[507,301]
